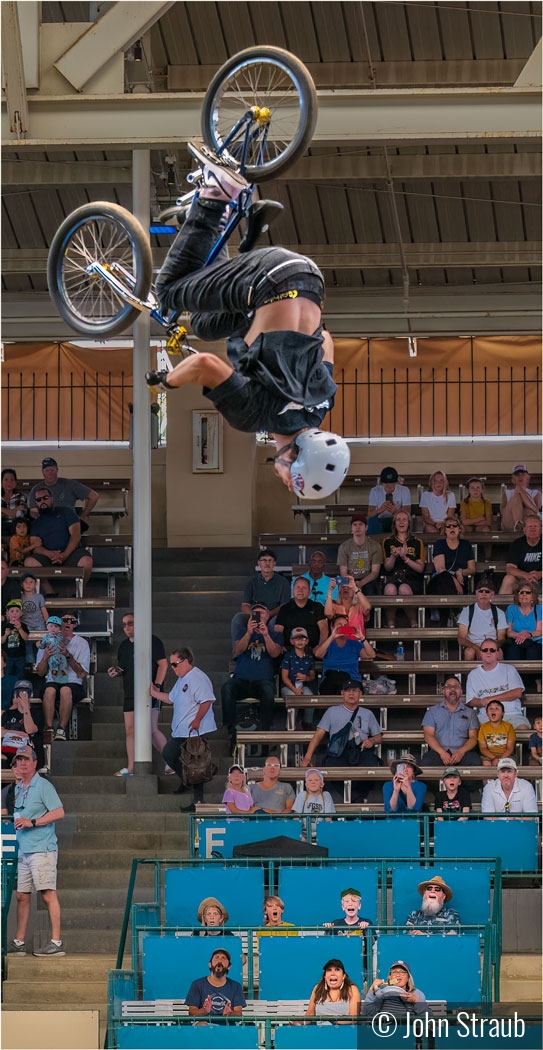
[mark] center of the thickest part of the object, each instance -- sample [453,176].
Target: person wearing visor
[267,303]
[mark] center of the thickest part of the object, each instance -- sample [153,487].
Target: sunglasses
[525,592]
[452,526]
[69,619]
[489,650]
[438,889]
[506,807]
[175,663]
[484,590]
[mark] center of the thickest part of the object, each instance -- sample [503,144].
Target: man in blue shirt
[36,808]
[255,650]
[59,530]
[318,581]
[450,730]
[216,995]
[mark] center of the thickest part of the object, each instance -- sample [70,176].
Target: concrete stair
[520,978]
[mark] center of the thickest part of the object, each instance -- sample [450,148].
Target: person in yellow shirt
[475,510]
[496,738]
[273,919]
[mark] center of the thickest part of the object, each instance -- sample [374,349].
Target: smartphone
[400,769]
[347,630]
[341,580]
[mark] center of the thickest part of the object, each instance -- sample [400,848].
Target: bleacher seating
[113,493]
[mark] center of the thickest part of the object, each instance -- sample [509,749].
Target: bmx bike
[259,113]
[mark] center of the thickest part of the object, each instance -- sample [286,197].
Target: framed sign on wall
[207,443]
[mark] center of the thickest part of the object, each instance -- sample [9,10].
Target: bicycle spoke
[90,296]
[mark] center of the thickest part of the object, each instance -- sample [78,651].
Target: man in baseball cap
[217,994]
[507,793]
[255,650]
[519,502]
[455,799]
[388,496]
[65,492]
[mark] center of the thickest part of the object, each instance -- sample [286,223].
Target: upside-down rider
[267,303]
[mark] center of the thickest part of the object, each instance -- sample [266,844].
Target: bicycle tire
[301,91]
[86,302]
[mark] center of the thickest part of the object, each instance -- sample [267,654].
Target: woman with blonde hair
[403,559]
[524,623]
[437,503]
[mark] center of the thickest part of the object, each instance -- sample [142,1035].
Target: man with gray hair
[433,916]
[508,794]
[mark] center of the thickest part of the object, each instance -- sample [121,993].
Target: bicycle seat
[261,214]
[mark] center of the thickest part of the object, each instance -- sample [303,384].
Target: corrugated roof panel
[430,276]
[365,214]
[283,229]
[388,221]
[487,275]
[306,209]
[375,278]
[72,197]
[419,203]
[331,32]
[530,194]
[450,210]
[455,31]
[459,275]
[206,32]
[335,214]
[23,220]
[515,274]
[518,29]
[423,31]
[486,30]
[17,282]
[9,239]
[355,29]
[300,31]
[236,26]
[479,209]
[508,215]
[391,26]
[49,212]
[268,24]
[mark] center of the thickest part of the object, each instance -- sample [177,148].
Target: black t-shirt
[125,659]
[525,557]
[290,615]
[13,720]
[10,589]
[456,558]
[14,645]
[454,805]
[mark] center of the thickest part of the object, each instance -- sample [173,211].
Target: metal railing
[94,408]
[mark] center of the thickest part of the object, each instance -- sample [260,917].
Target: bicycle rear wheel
[105,233]
[272,80]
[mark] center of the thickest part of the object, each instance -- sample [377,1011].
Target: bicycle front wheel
[279,87]
[103,233]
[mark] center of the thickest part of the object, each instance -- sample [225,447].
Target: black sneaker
[188,809]
[158,380]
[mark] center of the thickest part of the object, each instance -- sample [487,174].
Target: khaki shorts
[37,871]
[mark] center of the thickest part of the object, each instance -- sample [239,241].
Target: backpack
[472,613]
[197,761]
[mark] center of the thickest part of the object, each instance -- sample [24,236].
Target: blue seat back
[290,967]
[241,890]
[313,895]
[370,838]
[170,964]
[443,967]
[515,841]
[334,1037]
[470,885]
[218,837]
[9,839]
[458,1037]
[171,1037]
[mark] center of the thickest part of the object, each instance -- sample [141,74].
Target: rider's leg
[189,251]
[206,370]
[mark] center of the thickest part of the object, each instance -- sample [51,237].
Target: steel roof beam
[381,116]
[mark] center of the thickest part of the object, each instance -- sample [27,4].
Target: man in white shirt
[481,620]
[508,794]
[77,652]
[192,697]
[495,680]
[385,499]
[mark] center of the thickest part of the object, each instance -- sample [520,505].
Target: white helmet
[321,465]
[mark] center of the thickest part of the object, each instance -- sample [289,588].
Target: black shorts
[79,692]
[72,560]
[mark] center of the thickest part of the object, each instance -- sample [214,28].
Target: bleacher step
[82,968]
[520,965]
[520,990]
[150,843]
[80,857]
[127,822]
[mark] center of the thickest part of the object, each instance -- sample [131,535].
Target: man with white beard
[432,916]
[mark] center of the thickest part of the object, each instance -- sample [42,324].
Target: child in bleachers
[313,799]
[455,799]
[475,509]
[535,742]
[237,797]
[298,670]
[21,543]
[496,737]
[351,902]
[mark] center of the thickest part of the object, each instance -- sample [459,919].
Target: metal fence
[92,409]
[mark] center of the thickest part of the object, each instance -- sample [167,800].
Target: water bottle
[400,651]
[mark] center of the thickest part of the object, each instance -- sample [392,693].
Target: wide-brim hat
[409,760]
[422,886]
[211,902]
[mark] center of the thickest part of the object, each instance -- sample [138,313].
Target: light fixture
[137,52]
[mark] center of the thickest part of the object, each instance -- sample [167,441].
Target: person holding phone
[344,598]
[340,653]
[404,793]
[255,650]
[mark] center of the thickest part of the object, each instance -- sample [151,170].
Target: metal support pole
[141,181]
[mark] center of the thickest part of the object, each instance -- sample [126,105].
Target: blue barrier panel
[122,986]
[460,1037]
[323,902]
[170,964]
[470,884]
[218,837]
[442,966]
[9,839]
[200,1037]
[371,838]
[336,1037]
[241,890]
[290,967]
[515,841]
